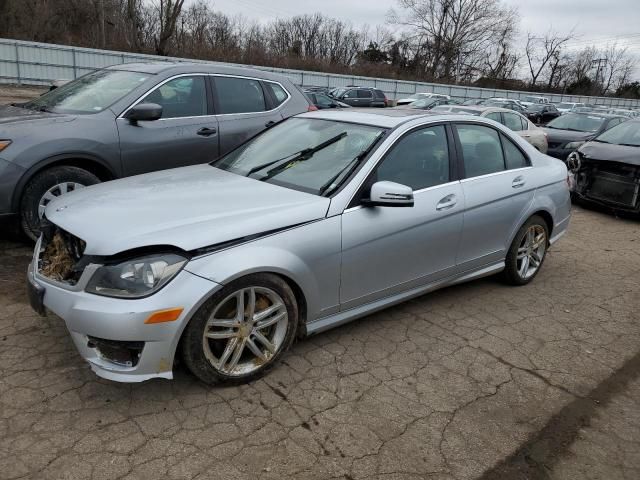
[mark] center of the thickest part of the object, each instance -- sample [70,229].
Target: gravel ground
[477,381]
[19,93]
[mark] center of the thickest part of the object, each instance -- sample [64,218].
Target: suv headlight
[136,278]
[574,145]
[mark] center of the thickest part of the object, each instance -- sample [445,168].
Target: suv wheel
[45,187]
[242,331]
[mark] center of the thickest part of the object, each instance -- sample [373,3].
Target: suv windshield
[317,156]
[577,122]
[627,133]
[89,94]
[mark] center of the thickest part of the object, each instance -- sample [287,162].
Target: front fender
[308,255]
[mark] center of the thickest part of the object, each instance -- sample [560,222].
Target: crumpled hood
[566,136]
[189,208]
[611,153]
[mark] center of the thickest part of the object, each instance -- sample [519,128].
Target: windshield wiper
[599,141]
[332,182]
[305,154]
[629,144]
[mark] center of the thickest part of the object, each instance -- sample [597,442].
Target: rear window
[239,95]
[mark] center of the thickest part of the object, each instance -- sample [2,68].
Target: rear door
[365,97]
[245,107]
[497,192]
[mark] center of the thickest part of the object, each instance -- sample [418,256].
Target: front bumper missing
[121,322]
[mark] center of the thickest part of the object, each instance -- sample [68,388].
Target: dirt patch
[19,93]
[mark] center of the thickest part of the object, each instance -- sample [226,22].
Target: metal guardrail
[34,63]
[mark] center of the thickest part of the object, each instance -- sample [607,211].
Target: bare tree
[168,12]
[450,34]
[541,51]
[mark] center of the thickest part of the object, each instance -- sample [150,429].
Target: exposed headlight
[4,144]
[136,278]
[574,145]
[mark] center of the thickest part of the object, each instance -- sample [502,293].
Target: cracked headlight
[136,278]
[574,145]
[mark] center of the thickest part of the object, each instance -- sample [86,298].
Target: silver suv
[131,119]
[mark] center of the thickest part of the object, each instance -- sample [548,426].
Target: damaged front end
[60,257]
[608,183]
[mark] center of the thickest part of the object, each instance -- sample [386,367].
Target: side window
[481,150]
[239,95]
[350,94]
[362,93]
[420,159]
[323,100]
[512,121]
[279,93]
[494,116]
[514,158]
[378,94]
[525,123]
[180,97]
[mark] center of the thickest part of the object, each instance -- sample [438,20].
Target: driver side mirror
[144,112]
[389,194]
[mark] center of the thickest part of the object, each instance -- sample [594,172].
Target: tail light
[312,108]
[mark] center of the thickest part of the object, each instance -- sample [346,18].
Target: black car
[568,132]
[322,101]
[360,96]
[540,113]
[607,169]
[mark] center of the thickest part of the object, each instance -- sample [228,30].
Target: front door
[497,194]
[185,135]
[387,250]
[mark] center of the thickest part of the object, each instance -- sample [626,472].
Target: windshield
[627,133]
[425,102]
[89,94]
[338,91]
[577,122]
[568,106]
[302,153]
[535,108]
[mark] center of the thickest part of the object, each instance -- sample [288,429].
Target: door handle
[518,182]
[270,124]
[205,132]
[447,202]
[526,135]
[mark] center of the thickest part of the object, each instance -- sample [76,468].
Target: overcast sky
[594,21]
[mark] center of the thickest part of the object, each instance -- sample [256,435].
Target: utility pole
[601,63]
[103,37]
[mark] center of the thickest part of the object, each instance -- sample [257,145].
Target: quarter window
[514,158]
[279,93]
[512,121]
[419,159]
[181,97]
[239,95]
[481,150]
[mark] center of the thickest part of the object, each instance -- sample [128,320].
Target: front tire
[45,187]
[527,252]
[241,332]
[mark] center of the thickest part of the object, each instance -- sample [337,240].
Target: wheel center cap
[245,330]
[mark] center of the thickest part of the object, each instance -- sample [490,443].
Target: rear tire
[51,182]
[527,252]
[219,345]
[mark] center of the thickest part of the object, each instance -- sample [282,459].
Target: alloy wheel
[54,192]
[531,251]
[245,330]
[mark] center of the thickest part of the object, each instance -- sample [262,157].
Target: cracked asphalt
[477,381]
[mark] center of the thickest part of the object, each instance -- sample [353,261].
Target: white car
[566,107]
[534,100]
[421,96]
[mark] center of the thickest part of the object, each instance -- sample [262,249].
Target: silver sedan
[324,218]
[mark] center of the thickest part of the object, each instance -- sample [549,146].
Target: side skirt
[325,323]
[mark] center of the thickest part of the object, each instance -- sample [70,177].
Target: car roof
[383,117]
[156,68]
[481,108]
[596,113]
